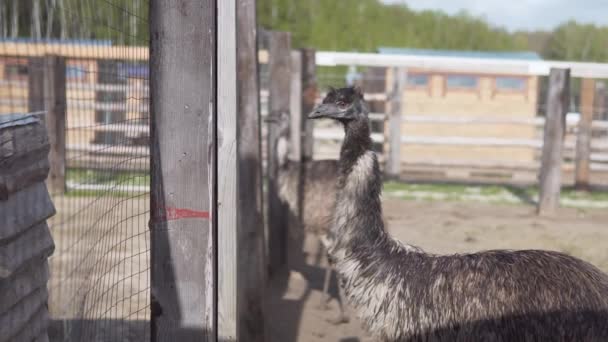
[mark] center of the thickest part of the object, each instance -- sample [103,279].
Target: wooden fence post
[583,140]
[558,96]
[54,92]
[393,165]
[183,204]
[309,96]
[251,261]
[280,80]
[227,174]
[35,84]
[295,112]
[600,101]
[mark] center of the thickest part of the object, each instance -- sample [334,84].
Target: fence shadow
[115,330]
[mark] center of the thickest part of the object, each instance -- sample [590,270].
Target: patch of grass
[100,193]
[83,176]
[491,193]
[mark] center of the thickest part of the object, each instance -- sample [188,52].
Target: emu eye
[341,103]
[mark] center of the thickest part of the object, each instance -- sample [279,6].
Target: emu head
[344,104]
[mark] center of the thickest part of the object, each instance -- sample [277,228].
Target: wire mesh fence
[97,51]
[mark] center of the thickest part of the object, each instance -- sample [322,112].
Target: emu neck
[357,142]
[358,217]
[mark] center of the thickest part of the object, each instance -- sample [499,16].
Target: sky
[521,14]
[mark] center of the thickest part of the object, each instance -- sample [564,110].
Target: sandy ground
[102,272]
[438,227]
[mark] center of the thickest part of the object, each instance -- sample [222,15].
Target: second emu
[402,293]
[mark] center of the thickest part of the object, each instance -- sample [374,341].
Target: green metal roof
[521,55]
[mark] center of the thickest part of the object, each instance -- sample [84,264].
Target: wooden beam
[583,138]
[558,97]
[55,104]
[251,275]
[228,172]
[67,50]
[397,103]
[296,121]
[35,84]
[280,81]
[309,97]
[601,111]
[183,148]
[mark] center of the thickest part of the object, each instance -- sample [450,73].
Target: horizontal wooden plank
[124,150]
[31,278]
[462,64]
[33,246]
[19,141]
[18,49]
[126,128]
[21,178]
[25,320]
[140,107]
[23,210]
[71,85]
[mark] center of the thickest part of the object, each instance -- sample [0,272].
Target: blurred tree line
[345,25]
[121,21]
[364,25]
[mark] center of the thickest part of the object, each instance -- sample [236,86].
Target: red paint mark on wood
[170,214]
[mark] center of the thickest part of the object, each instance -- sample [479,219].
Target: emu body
[402,293]
[318,191]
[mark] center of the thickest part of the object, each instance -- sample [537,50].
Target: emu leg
[325,295]
[342,316]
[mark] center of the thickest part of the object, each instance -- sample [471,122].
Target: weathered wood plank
[228,170]
[309,96]
[251,275]
[29,141]
[23,157]
[20,179]
[25,318]
[295,112]
[279,72]
[583,138]
[16,218]
[558,97]
[182,93]
[397,103]
[22,283]
[32,246]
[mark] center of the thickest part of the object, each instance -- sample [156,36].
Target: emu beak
[320,111]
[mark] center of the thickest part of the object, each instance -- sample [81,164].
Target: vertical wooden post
[183,223]
[228,171]
[280,80]
[583,140]
[251,262]
[35,84]
[309,96]
[295,101]
[393,166]
[54,90]
[558,96]
[601,112]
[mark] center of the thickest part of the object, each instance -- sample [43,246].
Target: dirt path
[438,227]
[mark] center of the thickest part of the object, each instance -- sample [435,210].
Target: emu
[319,195]
[402,293]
